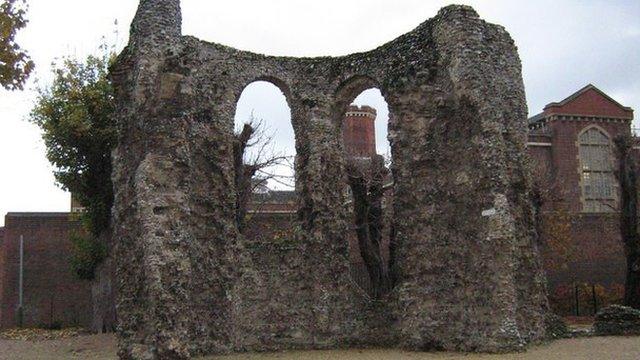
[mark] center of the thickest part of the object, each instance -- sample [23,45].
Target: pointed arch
[597,179]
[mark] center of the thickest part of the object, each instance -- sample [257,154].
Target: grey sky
[564,45]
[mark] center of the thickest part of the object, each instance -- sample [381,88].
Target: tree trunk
[629,220]
[367,193]
[103,292]
[393,270]
[243,175]
[632,283]
[537,201]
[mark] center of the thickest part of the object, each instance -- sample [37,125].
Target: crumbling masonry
[468,275]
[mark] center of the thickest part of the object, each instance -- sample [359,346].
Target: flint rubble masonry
[189,284]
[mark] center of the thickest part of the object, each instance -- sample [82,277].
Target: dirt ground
[103,347]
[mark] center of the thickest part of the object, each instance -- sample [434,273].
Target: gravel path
[102,347]
[595,348]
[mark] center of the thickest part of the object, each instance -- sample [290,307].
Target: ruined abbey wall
[468,271]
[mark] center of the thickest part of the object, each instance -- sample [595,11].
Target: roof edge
[583,90]
[37,214]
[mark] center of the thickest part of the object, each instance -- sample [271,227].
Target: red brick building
[571,145]
[50,292]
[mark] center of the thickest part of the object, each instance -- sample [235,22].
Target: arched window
[598,185]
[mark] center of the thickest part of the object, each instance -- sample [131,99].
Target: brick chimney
[359,132]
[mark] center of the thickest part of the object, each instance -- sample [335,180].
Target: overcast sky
[563,45]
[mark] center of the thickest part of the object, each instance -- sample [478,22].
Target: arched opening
[264,152]
[369,188]
[372,97]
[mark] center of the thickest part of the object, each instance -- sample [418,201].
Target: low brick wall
[51,293]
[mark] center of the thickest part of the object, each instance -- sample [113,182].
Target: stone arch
[284,88]
[274,80]
[460,195]
[281,85]
[368,184]
[348,90]
[263,161]
[353,86]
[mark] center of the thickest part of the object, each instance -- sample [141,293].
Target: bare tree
[251,171]
[367,183]
[628,172]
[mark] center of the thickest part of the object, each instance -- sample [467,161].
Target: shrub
[87,254]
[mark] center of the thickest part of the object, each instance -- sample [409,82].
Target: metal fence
[584,299]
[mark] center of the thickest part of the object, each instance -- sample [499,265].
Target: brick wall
[2,275]
[51,293]
[565,159]
[589,101]
[598,251]
[358,131]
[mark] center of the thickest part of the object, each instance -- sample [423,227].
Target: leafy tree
[88,253]
[15,64]
[75,113]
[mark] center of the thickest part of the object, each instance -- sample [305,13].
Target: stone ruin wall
[469,273]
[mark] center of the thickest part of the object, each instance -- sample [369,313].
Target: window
[598,193]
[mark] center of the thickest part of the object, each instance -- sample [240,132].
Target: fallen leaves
[39,334]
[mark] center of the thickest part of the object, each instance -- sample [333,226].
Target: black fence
[584,299]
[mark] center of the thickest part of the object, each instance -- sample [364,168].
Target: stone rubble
[469,274]
[617,320]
